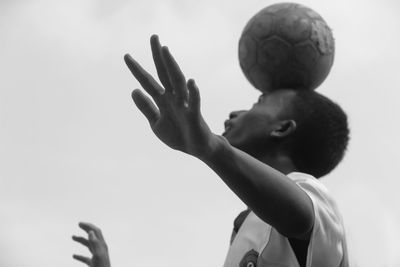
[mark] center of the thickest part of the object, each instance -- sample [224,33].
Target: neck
[279,162]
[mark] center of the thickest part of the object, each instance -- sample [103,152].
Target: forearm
[273,197]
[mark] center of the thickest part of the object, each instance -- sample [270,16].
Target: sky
[73,147]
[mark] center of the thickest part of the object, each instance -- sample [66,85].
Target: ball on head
[286,45]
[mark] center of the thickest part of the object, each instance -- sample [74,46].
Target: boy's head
[304,125]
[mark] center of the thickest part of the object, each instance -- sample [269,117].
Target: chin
[229,139]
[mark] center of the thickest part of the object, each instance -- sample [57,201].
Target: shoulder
[325,207]
[316,190]
[327,241]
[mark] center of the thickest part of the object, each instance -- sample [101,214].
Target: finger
[146,106]
[92,236]
[81,240]
[194,96]
[145,79]
[87,227]
[175,75]
[83,259]
[160,64]
[94,241]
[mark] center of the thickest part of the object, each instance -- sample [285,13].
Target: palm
[169,132]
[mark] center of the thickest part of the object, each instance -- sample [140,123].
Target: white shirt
[258,244]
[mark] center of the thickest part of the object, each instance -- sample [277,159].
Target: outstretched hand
[96,245]
[175,118]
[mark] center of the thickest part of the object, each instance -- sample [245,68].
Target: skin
[257,176]
[264,130]
[96,244]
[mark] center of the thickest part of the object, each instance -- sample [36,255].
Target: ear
[284,128]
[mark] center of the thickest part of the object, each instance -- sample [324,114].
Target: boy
[270,156]
[263,156]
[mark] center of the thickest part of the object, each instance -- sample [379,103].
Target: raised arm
[175,118]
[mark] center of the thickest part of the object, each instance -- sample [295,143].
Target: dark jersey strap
[237,223]
[240,219]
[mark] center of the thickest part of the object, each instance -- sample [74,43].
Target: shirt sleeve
[327,243]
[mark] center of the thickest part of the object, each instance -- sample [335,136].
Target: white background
[73,147]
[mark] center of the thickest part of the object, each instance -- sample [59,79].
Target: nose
[234,114]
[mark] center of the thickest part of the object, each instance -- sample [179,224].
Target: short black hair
[322,134]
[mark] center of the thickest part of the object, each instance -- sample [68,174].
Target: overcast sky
[74,148]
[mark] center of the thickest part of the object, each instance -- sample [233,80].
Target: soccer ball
[286,45]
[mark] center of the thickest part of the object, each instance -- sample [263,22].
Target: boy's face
[250,129]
